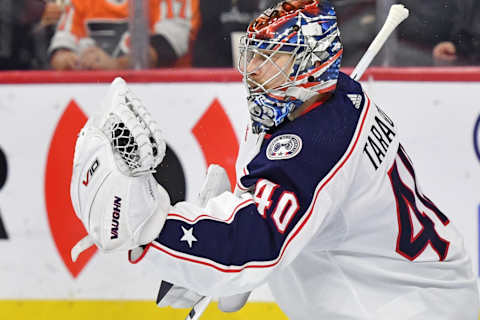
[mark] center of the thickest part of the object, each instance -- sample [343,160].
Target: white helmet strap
[300,93]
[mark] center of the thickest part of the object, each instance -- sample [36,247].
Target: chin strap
[300,93]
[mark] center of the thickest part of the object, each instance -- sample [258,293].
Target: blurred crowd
[104,34]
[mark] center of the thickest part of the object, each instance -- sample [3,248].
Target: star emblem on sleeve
[188,236]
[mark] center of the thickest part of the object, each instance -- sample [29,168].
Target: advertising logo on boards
[476,146]
[476,138]
[3,180]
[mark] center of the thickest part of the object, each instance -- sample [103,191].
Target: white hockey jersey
[329,213]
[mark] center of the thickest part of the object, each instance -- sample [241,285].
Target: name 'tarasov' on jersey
[330,202]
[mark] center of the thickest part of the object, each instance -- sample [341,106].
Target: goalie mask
[301,42]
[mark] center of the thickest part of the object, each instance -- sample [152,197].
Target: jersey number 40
[286,208]
[405,189]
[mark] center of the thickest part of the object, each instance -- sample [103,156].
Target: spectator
[44,31]
[463,45]
[94,34]
[25,26]
[428,23]
[219,20]
[223,19]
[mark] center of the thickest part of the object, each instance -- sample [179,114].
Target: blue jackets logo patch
[285,146]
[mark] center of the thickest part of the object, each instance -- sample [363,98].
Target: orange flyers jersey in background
[105,23]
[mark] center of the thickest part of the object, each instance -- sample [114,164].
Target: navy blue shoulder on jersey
[326,133]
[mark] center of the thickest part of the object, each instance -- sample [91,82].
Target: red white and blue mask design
[305,34]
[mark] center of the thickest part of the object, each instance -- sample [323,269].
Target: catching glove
[112,189]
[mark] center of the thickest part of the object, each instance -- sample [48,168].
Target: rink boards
[437,114]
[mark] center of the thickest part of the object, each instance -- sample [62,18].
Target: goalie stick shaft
[198,309]
[396,15]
